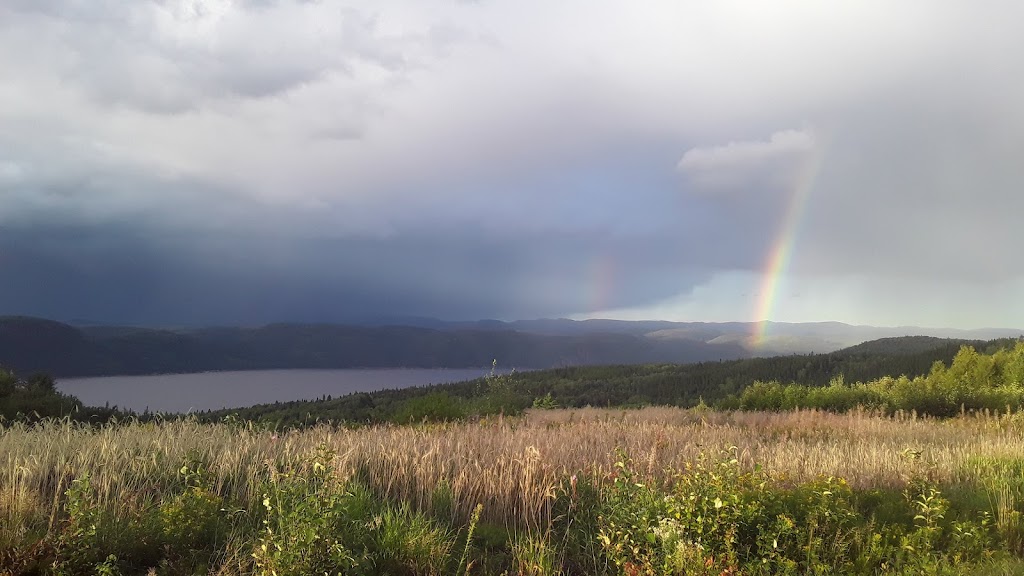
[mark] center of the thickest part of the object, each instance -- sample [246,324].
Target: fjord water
[215,390]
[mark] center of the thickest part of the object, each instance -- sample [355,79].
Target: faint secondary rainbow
[782,249]
[602,282]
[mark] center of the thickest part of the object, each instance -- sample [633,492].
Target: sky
[252,161]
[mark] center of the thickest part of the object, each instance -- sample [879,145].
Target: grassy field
[651,491]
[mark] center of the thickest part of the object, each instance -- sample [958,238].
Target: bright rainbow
[782,249]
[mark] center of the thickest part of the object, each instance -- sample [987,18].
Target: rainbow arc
[781,253]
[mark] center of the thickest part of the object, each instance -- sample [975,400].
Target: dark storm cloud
[125,274]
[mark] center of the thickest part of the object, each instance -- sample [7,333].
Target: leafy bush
[78,548]
[194,522]
[629,519]
[306,518]
[545,402]
[97,538]
[715,518]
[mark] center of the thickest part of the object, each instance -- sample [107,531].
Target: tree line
[720,384]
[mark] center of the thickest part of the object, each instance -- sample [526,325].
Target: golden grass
[511,466]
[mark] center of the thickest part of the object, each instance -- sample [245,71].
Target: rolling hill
[93,349]
[30,344]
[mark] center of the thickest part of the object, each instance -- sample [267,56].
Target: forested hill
[905,345]
[30,345]
[658,384]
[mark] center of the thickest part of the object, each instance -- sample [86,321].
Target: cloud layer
[201,161]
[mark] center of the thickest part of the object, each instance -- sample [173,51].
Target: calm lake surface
[215,390]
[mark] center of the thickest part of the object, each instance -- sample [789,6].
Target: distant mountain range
[91,348]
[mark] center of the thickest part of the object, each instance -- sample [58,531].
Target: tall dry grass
[511,466]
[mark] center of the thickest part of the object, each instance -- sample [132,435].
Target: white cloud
[243,95]
[749,162]
[744,153]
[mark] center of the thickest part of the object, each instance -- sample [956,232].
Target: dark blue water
[215,390]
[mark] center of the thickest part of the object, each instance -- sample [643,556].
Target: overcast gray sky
[246,161]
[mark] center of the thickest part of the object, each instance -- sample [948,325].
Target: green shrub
[545,402]
[629,519]
[103,537]
[305,522]
[433,407]
[194,522]
[77,548]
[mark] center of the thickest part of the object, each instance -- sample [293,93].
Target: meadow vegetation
[504,475]
[587,491]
